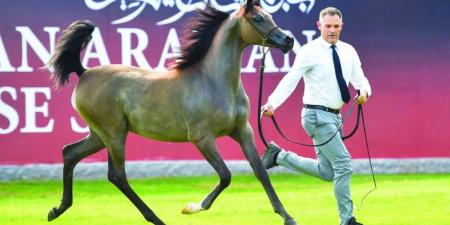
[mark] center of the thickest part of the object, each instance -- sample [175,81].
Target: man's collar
[325,44]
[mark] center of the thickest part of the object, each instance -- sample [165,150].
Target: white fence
[145,169]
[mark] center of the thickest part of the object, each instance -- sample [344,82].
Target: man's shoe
[269,158]
[352,221]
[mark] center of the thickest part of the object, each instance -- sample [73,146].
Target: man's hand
[267,110]
[362,98]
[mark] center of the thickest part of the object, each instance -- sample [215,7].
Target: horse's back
[119,70]
[113,78]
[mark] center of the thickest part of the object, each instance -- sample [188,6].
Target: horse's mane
[199,34]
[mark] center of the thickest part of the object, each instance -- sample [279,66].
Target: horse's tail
[66,58]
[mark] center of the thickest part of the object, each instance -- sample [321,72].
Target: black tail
[66,58]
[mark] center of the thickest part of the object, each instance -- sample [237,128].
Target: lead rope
[261,77]
[344,118]
[370,163]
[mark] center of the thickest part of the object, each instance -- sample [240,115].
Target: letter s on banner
[9,112]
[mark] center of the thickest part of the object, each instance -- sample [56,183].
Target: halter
[264,37]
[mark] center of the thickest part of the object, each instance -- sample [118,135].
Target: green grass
[399,200]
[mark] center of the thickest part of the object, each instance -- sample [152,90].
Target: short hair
[330,11]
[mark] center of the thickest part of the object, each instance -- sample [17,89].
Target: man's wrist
[364,93]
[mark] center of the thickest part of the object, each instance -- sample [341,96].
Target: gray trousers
[333,160]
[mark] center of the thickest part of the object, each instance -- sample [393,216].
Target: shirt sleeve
[290,81]
[358,80]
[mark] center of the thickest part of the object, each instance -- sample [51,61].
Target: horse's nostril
[289,39]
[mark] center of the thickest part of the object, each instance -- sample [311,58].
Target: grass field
[399,200]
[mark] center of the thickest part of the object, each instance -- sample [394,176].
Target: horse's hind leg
[72,154]
[208,148]
[117,176]
[245,138]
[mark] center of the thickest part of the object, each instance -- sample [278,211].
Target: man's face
[330,28]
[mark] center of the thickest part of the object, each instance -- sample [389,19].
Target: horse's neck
[223,60]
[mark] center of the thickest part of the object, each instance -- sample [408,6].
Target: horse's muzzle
[289,44]
[281,40]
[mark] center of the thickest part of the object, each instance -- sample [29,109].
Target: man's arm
[287,84]
[359,81]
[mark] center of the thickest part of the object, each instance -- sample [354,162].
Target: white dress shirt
[314,62]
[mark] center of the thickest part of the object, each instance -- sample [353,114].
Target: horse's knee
[225,179]
[67,154]
[261,175]
[117,177]
[113,178]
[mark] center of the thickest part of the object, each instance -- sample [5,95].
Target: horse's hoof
[290,222]
[192,208]
[52,214]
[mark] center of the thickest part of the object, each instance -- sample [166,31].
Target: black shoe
[269,158]
[352,221]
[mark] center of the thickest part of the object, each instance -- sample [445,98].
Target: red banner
[405,57]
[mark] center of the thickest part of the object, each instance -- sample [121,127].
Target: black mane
[199,34]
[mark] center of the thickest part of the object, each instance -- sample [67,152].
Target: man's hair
[330,11]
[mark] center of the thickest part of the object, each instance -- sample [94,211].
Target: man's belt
[323,108]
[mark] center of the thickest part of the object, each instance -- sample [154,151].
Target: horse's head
[259,28]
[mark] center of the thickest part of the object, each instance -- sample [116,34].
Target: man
[327,66]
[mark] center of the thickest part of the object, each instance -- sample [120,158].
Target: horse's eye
[258,18]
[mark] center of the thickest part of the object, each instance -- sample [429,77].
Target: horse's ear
[249,6]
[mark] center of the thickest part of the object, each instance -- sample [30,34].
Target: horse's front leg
[207,147]
[244,136]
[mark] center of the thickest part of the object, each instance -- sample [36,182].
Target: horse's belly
[161,135]
[154,124]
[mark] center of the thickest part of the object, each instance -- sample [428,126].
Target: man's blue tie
[345,95]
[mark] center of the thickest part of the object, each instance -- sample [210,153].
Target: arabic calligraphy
[134,8]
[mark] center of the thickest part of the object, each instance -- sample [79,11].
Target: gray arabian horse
[200,98]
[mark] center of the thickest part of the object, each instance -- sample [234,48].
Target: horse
[198,99]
